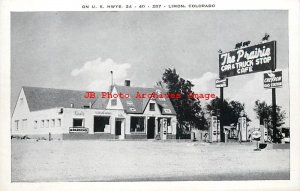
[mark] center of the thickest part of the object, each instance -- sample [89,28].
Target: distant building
[67,114]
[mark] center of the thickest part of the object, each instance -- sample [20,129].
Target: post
[274,114]
[274,120]
[221,115]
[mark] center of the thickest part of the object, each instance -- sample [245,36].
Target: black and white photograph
[114,93]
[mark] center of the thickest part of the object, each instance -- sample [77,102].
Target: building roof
[140,104]
[46,98]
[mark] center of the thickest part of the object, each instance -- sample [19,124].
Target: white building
[67,114]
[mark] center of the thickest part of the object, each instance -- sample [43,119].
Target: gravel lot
[61,161]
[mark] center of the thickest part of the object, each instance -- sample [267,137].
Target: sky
[77,50]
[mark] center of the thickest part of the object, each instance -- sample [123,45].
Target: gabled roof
[46,98]
[139,104]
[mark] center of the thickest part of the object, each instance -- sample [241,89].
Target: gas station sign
[256,134]
[220,83]
[273,79]
[251,59]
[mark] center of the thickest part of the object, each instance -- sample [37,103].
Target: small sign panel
[220,83]
[256,134]
[78,130]
[273,79]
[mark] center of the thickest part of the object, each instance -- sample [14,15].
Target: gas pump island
[245,59]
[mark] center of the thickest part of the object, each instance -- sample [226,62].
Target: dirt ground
[61,161]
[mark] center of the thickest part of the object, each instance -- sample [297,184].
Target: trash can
[192,136]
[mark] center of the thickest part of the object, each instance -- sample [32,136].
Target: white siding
[118,105]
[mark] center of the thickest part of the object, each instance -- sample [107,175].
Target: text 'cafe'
[67,114]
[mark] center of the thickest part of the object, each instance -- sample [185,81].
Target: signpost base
[257,146]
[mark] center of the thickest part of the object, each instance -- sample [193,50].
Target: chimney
[71,105]
[112,81]
[127,83]
[112,77]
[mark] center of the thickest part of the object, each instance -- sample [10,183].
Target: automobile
[286,134]
[285,138]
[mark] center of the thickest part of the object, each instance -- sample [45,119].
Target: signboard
[257,58]
[220,83]
[273,79]
[256,134]
[78,130]
[78,113]
[102,112]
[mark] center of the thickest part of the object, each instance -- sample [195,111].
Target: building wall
[118,106]
[88,116]
[21,112]
[40,122]
[43,122]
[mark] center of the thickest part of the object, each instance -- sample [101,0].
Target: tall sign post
[274,120]
[221,83]
[273,80]
[247,60]
[221,115]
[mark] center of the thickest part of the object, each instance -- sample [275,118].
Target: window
[24,123]
[168,121]
[152,107]
[21,101]
[17,125]
[58,122]
[113,102]
[129,103]
[132,109]
[78,123]
[47,123]
[88,106]
[35,124]
[137,124]
[61,111]
[167,110]
[169,125]
[100,122]
[53,123]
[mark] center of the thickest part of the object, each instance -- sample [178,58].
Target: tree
[231,110]
[264,113]
[189,111]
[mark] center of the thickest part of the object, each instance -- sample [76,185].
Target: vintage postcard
[118,95]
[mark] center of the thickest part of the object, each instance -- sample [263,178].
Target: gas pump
[164,125]
[213,129]
[243,127]
[218,131]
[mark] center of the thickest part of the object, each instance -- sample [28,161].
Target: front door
[151,128]
[118,128]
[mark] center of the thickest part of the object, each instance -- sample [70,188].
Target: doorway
[151,128]
[118,129]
